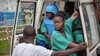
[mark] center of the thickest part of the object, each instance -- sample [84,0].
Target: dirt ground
[5,55]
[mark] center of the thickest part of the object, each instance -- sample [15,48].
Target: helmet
[51,8]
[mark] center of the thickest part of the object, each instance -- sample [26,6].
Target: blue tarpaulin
[9,17]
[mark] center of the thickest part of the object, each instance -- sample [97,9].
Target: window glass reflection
[25,16]
[91,24]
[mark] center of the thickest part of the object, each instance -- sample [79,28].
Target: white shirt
[24,49]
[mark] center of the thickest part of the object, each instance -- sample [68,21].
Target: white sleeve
[14,52]
[45,52]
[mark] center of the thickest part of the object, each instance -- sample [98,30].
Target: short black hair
[29,31]
[60,14]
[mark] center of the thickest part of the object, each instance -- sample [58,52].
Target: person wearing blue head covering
[47,26]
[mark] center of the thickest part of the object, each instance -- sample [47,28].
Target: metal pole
[14,27]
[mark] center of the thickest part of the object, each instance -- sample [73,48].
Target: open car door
[91,25]
[25,15]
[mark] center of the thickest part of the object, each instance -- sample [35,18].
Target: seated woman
[62,38]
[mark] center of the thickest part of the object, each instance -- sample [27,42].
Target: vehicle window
[26,15]
[91,24]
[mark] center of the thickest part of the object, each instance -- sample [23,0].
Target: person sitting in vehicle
[27,47]
[76,25]
[47,26]
[62,38]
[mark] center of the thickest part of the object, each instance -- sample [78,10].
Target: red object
[5,21]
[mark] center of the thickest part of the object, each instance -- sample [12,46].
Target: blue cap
[51,8]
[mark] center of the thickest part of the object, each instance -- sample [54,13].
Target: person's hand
[74,15]
[49,37]
[82,46]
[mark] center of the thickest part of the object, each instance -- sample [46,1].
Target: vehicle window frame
[86,24]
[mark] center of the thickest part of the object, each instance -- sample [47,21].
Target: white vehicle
[89,13]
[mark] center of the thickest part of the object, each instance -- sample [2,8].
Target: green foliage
[5,44]
[4,47]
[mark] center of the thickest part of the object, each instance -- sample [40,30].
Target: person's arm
[44,31]
[47,35]
[69,51]
[60,43]
[74,15]
[69,21]
[72,45]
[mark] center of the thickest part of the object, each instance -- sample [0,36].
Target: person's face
[50,15]
[58,23]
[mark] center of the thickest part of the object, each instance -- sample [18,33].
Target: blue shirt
[47,26]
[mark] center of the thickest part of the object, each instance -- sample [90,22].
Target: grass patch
[5,44]
[4,47]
